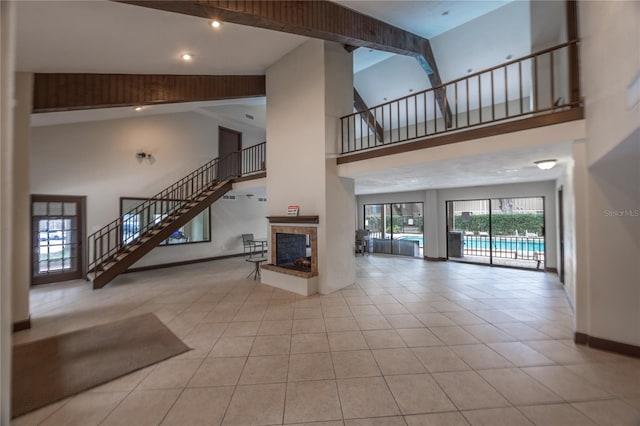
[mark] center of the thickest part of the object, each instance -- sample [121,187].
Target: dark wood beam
[428,63]
[316,19]
[367,116]
[319,19]
[65,92]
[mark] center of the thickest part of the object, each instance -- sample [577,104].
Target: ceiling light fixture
[545,164]
[509,56]
[445,13]
[138,108]
[215,24]
[469,70]
[187,57]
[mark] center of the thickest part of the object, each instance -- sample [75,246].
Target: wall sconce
[144,156]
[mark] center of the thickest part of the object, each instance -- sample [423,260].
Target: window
[198,230]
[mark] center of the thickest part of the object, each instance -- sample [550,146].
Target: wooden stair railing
[112,249]
[130,253]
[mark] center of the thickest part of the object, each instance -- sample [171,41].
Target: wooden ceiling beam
[67,92]
[367,116]
[319,19]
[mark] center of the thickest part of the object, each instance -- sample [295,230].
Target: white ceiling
[491,169]
[100,36]
[108,37]
[424,18]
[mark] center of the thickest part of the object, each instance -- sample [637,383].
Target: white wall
[435,220]
[21,272]
[608,273]
[7,60]
[97,159]
[610,35]
[307,90]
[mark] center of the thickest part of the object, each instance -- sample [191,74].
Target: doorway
[229,142]
[498,231]
[57,235]
[396,228]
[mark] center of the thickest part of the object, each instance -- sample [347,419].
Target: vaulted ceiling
[109,37]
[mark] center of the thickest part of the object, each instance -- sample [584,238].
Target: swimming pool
[476,242]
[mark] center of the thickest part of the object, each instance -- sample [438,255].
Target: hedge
[502,224]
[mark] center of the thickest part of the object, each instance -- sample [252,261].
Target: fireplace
[293,251]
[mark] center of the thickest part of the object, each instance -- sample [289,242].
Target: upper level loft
[536,90]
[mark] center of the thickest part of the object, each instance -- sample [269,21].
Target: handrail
[541,78]
[111,239]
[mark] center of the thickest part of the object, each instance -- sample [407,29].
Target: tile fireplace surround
[300,282]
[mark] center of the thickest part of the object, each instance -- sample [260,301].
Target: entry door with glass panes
[57,230]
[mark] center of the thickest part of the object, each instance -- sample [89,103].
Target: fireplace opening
[293,251]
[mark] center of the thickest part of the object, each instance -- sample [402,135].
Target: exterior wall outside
[97,159]
[607,275]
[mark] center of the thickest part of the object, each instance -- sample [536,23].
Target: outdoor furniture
[256,263]
[250,246]
[362,241]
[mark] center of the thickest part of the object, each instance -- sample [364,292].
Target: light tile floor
[413,343]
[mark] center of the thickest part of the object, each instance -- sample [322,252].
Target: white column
[431,225]
[21,246]
[307,91]
[7,27]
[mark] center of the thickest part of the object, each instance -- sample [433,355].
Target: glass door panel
[57,237]
[396,228]
[468,231]
[517,226]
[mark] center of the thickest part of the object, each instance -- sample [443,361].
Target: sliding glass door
[396,228]
[499,231]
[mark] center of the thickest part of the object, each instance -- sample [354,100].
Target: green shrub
[502,224]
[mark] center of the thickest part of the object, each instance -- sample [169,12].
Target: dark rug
[47,370]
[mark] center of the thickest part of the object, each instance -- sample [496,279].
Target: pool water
[499,243]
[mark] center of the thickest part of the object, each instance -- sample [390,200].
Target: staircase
[118,245]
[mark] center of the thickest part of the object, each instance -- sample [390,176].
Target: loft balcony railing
[540,83]
[107,242]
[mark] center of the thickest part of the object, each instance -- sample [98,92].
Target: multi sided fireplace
[293,251]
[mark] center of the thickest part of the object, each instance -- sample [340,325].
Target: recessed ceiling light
[187,57]
[545,164]
[138,108]
[215,24]
[445,13]
[469,70]
[509,56]
[410,90]
[384,99]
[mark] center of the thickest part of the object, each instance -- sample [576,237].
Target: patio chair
[362,241]
[249,246]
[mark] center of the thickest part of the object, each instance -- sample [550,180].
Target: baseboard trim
[182,263]
[22,325]
[607,345]
[551,269]
[435,259]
